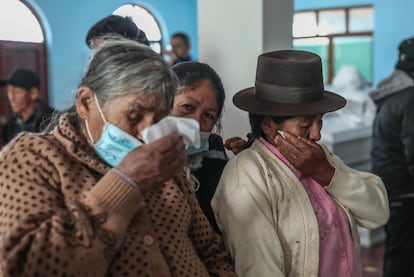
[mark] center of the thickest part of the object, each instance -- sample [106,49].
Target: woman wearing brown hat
[287,206]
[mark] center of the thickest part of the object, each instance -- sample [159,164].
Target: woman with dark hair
[200,95]
[287,206]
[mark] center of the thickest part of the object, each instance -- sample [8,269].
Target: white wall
[277,24]
[232,34]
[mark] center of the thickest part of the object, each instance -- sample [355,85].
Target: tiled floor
[372,260]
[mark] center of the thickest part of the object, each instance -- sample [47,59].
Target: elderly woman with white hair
[90,198]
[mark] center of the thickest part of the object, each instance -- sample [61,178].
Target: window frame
[160,42]
[331,37]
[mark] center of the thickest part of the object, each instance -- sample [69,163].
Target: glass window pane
[318,46]
[356,51]
[361,19]
[304,24]
[331,22]
[156,46]
[25,26]
[143,19]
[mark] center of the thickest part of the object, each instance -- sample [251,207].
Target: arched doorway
[22,44]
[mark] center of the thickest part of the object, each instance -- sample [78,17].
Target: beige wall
[232,33]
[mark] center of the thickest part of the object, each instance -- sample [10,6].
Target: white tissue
[281,133]
[188,128]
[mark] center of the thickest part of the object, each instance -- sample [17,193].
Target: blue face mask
[204,145]
[114,143]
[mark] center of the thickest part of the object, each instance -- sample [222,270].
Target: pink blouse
[337,255]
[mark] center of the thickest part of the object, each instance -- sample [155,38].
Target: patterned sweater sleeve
[45,233]
[209,245]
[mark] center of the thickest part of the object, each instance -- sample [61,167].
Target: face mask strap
[216,128]
[88,131]
[99,108]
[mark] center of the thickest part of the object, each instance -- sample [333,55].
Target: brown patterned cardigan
[63,212]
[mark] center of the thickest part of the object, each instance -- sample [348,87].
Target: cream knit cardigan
[267,219]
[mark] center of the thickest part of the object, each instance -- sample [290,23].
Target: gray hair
[121,66]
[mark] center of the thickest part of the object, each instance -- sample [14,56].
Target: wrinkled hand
[306,156]
[235,144]
[152,164]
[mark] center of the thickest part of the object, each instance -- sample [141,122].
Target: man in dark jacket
[392,157]
[180,48]
[30,114]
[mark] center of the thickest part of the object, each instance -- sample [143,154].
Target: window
[145,21]
[18,23]
[341,36]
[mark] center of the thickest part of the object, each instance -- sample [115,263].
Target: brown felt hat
[288,83]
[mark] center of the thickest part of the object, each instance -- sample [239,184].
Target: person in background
[30,113]
[115,25]
[180,48]
[201,96]
[287,206]
[392,158]
[90,198]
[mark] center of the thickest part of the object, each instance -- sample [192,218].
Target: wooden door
[29,55]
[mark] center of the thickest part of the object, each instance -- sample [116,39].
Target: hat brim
[247,101]
[3,83]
